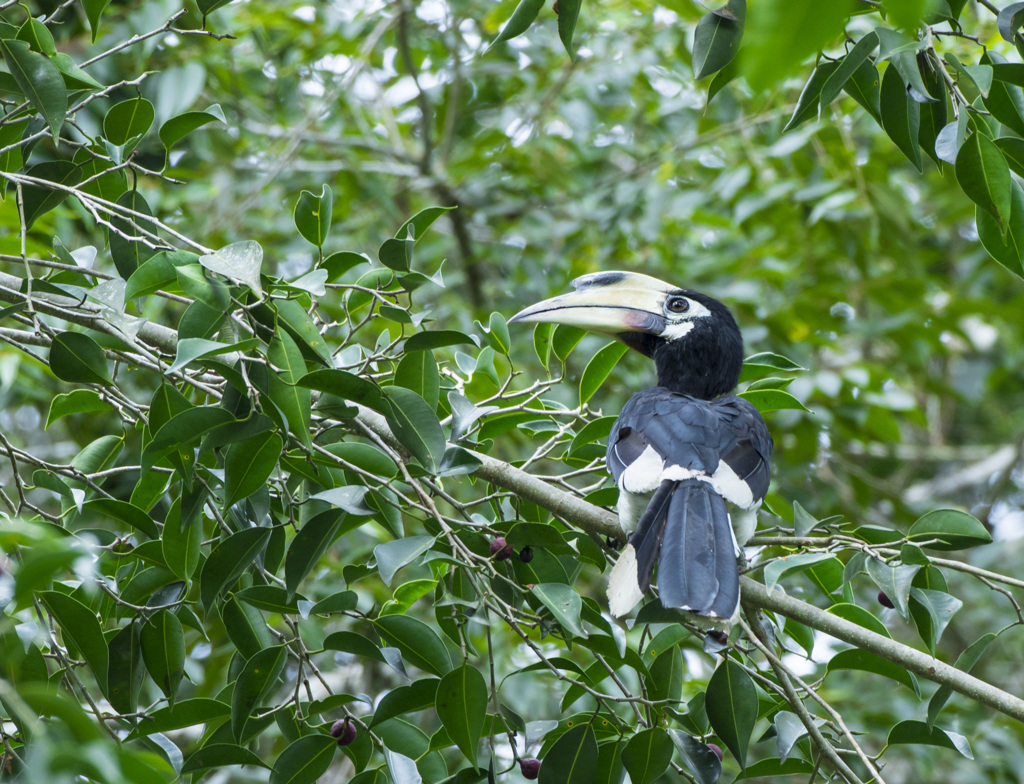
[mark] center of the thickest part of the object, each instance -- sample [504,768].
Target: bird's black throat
[706,362]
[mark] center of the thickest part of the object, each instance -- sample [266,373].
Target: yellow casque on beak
[605,302]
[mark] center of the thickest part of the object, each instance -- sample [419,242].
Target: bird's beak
[607,302]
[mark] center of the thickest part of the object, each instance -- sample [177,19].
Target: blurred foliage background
[827,243]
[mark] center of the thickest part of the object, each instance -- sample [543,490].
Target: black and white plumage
[692,461]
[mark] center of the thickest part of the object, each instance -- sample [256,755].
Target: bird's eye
[678,305]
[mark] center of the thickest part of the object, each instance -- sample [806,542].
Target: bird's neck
[704,368]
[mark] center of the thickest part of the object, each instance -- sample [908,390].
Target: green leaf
[79,359]
[35,34]
[309,544]
[954,529]
[895,580]
[78,401]
[418,372]
[542,335]
[420,222]
[396,254]
[419,644]
[440,338]
[196,284]
[157,273]
[699,758]
[647,755]
[130,254]
[163,651]
[39,80]
[520,21]
[859,616]
[217,755]
[187,713]
[769,361]
[933,114]
[572,759]
[248,464]
[348,498]
[965,662]
[765,400]
[417,696]
[799,562]
[347,386]
[462,707]
[857,659]
[240,261]
[1005,100]
[228,560]
[128,119]
[255,682]
[271,598]
[848,66]
[305,760]
[732,707]
[245,626]
[565,339]
[190,349]
[717,38]
[568,14]
[780,34]
[864,88]
[595,430]
[343,601]
[294,401]
[901,116]
[38,200]
[919,733]
[98,455]
[415,425]
[599,368]
[498,330]
[392,556]
[94,10]
[564,603]
[179,126]
[113,508]
[183,429]
[79,625]
[207,7]
[932,611]
[125,670]
[984,177]
[357,644]
[312,215]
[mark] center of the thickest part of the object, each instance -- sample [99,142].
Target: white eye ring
[677,305]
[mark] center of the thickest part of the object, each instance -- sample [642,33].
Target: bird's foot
[614,543]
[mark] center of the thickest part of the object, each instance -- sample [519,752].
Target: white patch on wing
[624,583]
[643,475]
[744,521]
[731,487]
[631,508]
[677,473]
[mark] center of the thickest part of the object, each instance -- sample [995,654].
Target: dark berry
[500,550]
[530,768]
[526,554]
[718,751]
[344,730]
[884,600]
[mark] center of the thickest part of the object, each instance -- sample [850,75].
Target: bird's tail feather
[698,570]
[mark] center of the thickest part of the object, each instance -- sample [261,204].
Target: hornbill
[691,460]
